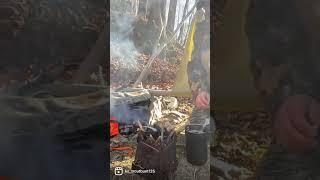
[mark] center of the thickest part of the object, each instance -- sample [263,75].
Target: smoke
[121,46]
[128,112]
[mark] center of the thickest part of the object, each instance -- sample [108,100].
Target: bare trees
[172,16]
[185,9]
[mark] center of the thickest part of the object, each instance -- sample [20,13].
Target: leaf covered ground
[241,138]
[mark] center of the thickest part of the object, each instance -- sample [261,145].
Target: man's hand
[203,100]
[297,122]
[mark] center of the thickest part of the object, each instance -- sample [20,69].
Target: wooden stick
[95,56]
[140,126]
[150,147]
[162,128]
[169,137]
[152,139]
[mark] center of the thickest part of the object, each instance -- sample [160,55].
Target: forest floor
[241,138]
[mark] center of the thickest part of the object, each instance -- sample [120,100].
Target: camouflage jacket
[48,29]
[199,78]
[198,74]
[284,53]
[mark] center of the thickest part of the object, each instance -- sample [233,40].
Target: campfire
[155,145]
[156,151]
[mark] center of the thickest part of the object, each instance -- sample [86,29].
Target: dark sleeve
[282,59]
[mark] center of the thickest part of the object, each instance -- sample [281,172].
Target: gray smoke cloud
[121,46]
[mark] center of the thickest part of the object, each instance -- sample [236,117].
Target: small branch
[150,147]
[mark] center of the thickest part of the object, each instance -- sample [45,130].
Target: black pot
[196,145]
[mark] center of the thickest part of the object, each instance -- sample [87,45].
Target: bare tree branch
[157,51]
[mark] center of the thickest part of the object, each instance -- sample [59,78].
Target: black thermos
[196,145]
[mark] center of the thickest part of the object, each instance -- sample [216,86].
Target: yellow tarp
[181,82]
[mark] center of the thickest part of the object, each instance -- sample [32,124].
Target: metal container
[196,145]
[161,159]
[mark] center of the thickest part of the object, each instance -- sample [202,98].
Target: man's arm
[197,73]
[282,62]
[279,54]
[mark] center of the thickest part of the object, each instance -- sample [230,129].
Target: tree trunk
[184,14]
[172,16]
[163,12]
[135,7]
[146,10]
[155,11]
[143,8]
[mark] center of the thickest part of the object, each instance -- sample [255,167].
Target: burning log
[156,151]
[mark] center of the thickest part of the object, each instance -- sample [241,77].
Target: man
[284,48]
[199,67]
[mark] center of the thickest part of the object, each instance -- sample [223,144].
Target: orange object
[114,127]
[128,149]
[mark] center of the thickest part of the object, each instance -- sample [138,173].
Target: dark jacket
[284,55]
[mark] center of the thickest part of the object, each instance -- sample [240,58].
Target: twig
[140,126]
[158,139]
[179,114]
[162,128]
[150,147]
[170,135]
[154,129]
[226,168]
[195,173]
[152,139]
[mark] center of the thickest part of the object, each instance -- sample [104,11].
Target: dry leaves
[243,139]
[161,76]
